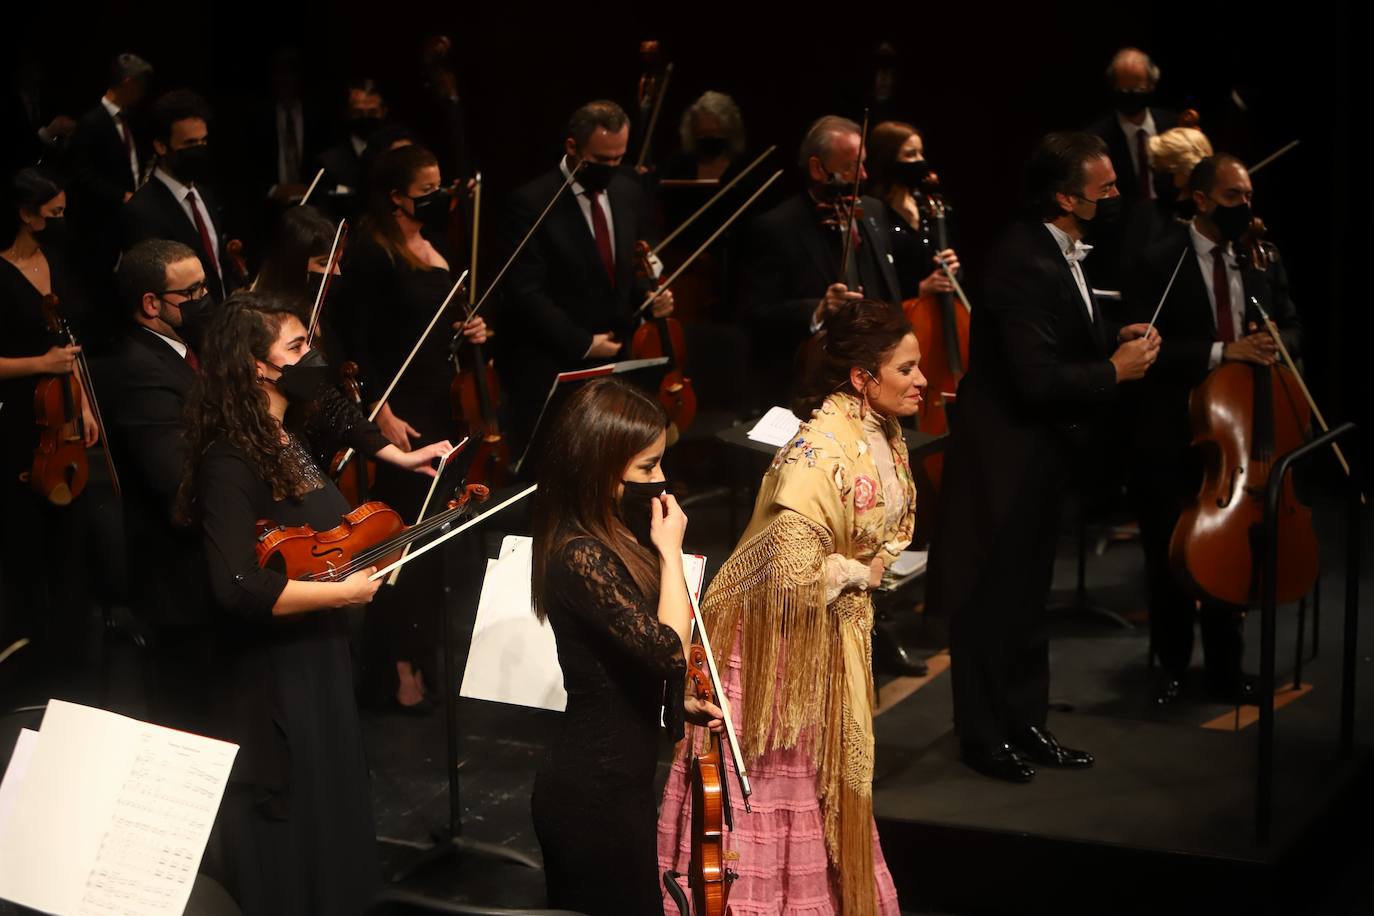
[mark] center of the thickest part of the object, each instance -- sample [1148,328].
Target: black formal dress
[295,833]
[155,213]
[44,544]
[388,304]
[791,259]
[593,799]
[558,293]
[1164,472]
[1039,379]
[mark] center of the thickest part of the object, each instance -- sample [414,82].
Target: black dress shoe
[1000,761]
[1042,747]
[1168,690]
[1241,690]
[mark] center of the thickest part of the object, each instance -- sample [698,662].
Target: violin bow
[424,507]
[1272,156]
[454,532]
[1302,385]
[83,377]
[848,244]
[381,402]
[1170,285]
[335,252]
[472,260]
[714,197]
[721,699]
[664,284]
[305,198]
[567,183]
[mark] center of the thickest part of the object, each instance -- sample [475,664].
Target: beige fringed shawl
[821,496]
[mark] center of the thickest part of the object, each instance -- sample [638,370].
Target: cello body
[1243,418]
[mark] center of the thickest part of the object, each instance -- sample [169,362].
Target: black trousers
[1160,484]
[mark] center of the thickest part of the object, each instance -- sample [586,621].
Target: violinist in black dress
[607,575]
[295,833]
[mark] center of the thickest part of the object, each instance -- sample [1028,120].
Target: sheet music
[112,815]
[775,428]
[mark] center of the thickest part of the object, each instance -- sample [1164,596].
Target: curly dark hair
[862,333]
[228,404]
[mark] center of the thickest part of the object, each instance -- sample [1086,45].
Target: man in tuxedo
[791,278]
[175,202]
[571,295]
[143,386]
[1207,320]
[287,134]
[1044,365]
[107,162]
[344,181]
[1131,79]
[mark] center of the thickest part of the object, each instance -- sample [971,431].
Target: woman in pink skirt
[789,617]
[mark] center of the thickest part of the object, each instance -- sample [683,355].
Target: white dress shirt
[1203,247]
[170,341]
[179,191]
[1074,251]
[1146,127]
[585,204]
[292,111]
[122,129]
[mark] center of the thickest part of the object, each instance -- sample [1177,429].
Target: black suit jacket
[100,178]
[1187,328]
[1038,385]
[557,293]
[1118,148]
[155,213]
[1116,246]
[143,385]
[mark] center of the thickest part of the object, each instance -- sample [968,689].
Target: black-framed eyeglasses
[195,291]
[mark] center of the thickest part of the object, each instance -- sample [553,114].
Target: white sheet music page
[775,428]
[112,816]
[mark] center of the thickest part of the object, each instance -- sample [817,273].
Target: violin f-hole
[317,552]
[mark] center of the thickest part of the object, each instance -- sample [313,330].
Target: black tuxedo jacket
[557,293]
[143,385]
[1116,245]
[100,164]
[1038,385]
[1187,329]
[1118,148]
[155,213]
[265,144]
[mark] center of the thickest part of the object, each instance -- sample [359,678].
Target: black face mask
[1108,212]
[431,210]
[1231,222]
[595,176]
[195,317]
[910,175]
[711,147]
[190,165]
[1131,102]
[302,380]
[364,127]
[54,231]
[636,508]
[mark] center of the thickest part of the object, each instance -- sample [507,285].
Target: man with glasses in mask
[571,295]
[143,386]
[1207,320]
[1044,368]
[175,202]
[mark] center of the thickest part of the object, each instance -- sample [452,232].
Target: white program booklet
[103,814]
[775,428]
[513,657]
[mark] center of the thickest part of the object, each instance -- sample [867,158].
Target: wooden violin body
[319,556]
[60,470]
[664,337]
[1244,417]
[476,394]
[708,876]
[356,475]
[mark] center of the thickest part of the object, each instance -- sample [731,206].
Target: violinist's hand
[663,304]
[1257,347]
[875,572]
[667,525]
[358,588]
[1135,357]
[88,421]
[397,431]
[836,295]
[604,346]
[57,361]
[707,715]
[1137,331]
[421,461]
[474,329]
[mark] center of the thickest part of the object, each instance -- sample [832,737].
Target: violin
[1243,418]
[942,328]
[664,337]
[355,475]
[59,469]
[234,250]
[371,535]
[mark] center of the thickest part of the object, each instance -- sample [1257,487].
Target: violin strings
[367,557]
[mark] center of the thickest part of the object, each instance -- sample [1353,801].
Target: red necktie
[192,361]
[603,235]
[1221,286]
[211,267]
[1142,158]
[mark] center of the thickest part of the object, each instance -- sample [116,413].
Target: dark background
[981,80]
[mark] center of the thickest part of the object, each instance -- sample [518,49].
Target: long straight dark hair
[600,428]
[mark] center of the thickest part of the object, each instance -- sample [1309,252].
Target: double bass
[1244,417]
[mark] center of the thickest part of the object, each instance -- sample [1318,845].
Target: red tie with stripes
[603,235]
[211,267]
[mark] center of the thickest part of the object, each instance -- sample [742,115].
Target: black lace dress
[593,805]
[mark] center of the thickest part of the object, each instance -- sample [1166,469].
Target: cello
[1244,417]
[942,328]
[664,337]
